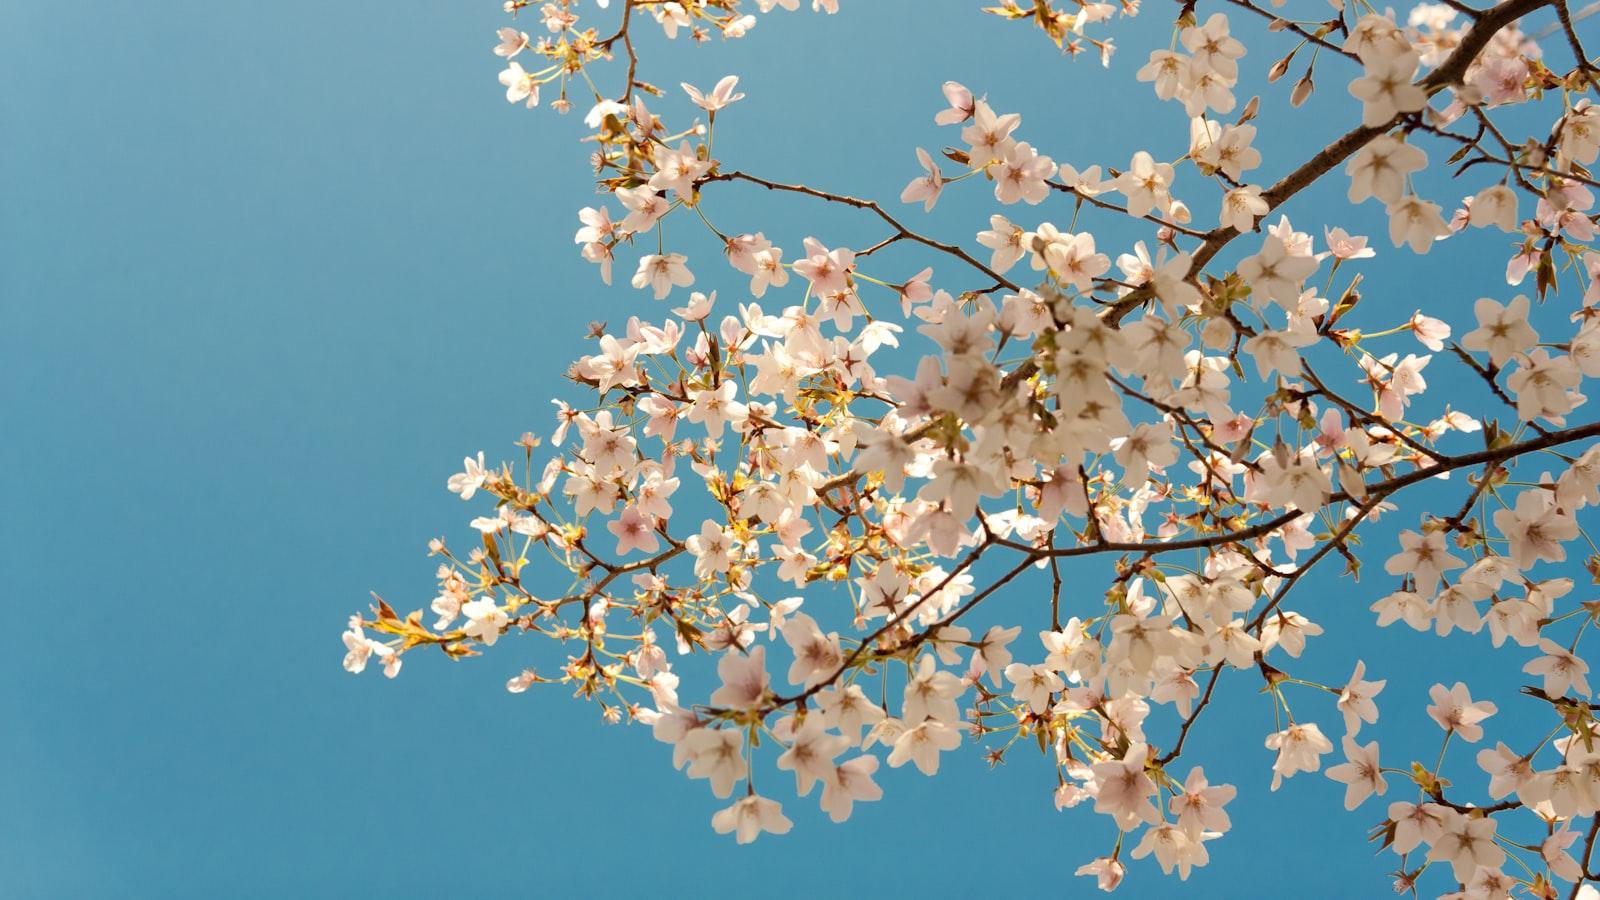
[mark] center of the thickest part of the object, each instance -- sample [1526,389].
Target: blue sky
[268,272]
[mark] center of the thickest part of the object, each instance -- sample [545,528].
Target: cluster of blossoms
[858,510]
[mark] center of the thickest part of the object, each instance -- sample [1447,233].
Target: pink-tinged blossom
[472,476]
[1125,792]
[1360,773]
[1455,711]
[1198,806]
[926,186]
[1146,184]
[922,744]
[1108,873]
[989,135]
[1355,699]
[849,784]
[1562,670]
[718,97]
[748,817]
[1173,849]
[485,620]
[1466,843]
[1424,558]
[511,43]
[1300,748]
[744,679]
[1502,331]
[662,272]
[961,105]
[1495,205]
[1385,90]
[634,531]
[520,85]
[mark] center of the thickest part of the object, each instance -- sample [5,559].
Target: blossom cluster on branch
[882,452]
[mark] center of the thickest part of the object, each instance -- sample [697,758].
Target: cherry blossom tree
[768,524]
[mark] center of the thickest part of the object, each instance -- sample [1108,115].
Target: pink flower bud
[1302,90]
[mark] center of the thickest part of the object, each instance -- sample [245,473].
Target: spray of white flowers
[847,515]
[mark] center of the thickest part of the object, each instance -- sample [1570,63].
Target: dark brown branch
[1183,730]
[901,230]
[1290,26]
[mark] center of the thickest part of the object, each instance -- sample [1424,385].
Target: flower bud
[1250,110]
[1302,90]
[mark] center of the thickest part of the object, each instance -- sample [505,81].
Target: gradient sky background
[270,271]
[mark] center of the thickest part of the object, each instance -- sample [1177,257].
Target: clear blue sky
[269,271]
